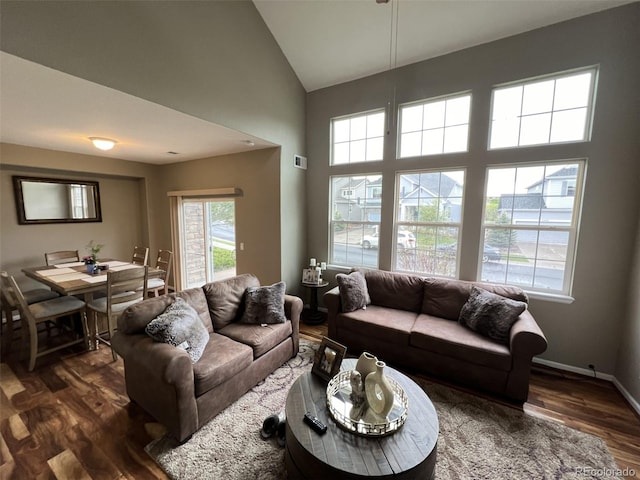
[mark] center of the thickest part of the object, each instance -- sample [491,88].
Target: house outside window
[530,225]
[429,209]
[435,126]
[357,138]
[355,220]
[553,109]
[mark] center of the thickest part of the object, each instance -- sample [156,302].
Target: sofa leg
[185,440]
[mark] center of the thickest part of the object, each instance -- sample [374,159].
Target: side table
[316,317]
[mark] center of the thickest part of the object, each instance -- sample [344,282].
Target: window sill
[551,297]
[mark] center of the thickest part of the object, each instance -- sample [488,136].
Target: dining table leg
[91,325]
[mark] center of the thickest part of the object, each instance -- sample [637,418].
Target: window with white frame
[355,219]
[435,126]
[530,225]
[546,110]
[357,138]
[428,221]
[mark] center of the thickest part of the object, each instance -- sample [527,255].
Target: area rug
[478,439]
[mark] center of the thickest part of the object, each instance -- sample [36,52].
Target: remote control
[314,423]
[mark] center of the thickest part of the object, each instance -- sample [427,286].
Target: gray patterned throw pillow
[490,315]
[354,293]
[179,325]
[264,304]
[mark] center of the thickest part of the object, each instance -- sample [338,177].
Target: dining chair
[10,308]
[140,255]
[159,286]
[124,288]
[46,311]
[62,256]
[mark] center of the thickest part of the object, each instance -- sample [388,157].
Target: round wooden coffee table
[409,453]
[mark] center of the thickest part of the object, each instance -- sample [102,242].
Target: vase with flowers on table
[91,260]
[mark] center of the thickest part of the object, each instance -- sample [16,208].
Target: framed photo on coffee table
[328,358]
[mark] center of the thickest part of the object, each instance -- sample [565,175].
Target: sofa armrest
[526,338]
[292,309]
[159,377]
[526,341]
[331,300]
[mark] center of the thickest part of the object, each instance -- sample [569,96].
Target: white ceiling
[326,42]
[333,41]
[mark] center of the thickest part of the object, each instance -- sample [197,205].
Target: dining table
[73,278]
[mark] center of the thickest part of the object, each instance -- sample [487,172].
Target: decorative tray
[339,405]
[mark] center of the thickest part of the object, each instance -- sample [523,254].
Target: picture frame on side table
[310,276]
[328,358]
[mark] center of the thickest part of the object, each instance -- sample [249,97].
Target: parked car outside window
[405,240]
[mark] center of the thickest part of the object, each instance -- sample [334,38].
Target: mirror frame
[22,219]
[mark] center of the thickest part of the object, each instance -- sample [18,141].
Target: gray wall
[214,60]
[589,330]
[628,369]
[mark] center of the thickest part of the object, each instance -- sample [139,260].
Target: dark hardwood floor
[71,418]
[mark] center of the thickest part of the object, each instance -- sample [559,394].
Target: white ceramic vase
[379,392]
[366,364]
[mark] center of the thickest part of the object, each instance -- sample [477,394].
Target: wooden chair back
[159,285]
[62,256]
[125,286]
[164,263]
[140,255]
[8,299]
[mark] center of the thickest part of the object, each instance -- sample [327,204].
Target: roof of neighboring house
[570,172]
[431,184]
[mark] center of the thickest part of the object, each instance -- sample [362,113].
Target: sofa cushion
[260,338]
[225,298]
[451,339]
[222,359]
[196,298]
[180,326]
[386,324]
[354,293]
[445,298]
[264,304]
[490,315]
[395,290]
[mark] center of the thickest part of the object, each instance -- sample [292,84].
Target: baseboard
[571,368]
[625,393]
[603,376]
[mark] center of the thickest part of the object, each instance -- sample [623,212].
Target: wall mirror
[54,200]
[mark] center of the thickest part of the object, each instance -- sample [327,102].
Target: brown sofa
[183,395]
[412,322]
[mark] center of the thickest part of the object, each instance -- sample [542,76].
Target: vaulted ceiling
[325,41]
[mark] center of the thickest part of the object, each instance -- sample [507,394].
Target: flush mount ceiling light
[102,143]
[249,143]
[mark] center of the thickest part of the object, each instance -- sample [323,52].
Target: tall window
[530,225]
[357,138]
[548,110]
[355,203]
[435,126]
[428,221]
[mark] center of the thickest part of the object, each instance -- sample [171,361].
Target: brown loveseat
[183,395]
[412,322]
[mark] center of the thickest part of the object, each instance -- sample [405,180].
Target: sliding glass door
[207,240]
